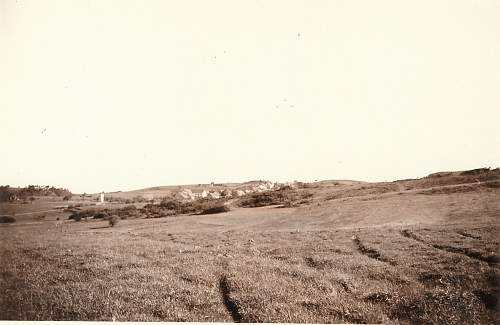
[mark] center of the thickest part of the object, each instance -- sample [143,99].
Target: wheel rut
[370,252]
[468,235]
[490,259]
[231,306]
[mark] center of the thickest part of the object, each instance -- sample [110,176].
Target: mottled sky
[117,95]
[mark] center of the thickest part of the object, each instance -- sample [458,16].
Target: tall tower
[102,197]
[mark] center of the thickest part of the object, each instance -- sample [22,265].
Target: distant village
[226,193]
[191,193]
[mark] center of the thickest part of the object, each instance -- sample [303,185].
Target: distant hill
[345,186]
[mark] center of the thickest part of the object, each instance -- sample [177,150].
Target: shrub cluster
[7,219]
[129,211]
[216,208]
[286,197]
[155,211]
[101,215]
[84,214]
[172,207]
[8,193]
[255,200]
[113,220]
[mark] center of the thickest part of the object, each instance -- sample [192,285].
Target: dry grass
[395,258]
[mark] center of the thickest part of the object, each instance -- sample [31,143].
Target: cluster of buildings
[189,194]
[213,191]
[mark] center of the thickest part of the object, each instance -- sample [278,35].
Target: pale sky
[119,95]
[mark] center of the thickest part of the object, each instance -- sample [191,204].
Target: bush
[113,220]
[79,215]
[75,216]
[7,219]
[261,199]
[67,197]
[217,208]
[151,210]
[129,211]
[123,213]
[101,215]
[172,207]
[287,197]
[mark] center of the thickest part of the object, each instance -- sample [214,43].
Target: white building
[187,194]
[215,195]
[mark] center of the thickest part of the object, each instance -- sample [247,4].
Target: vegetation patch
[287,197]
[129,211]
[171,207]
[7,219]
[216,208]
[84,214]
[492,184]
[8,193]
[113,220]
[378,297]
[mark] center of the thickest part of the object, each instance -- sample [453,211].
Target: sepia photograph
[250,161]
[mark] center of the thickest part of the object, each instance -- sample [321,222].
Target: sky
[119,95]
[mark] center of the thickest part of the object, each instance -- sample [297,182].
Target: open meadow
[416,251]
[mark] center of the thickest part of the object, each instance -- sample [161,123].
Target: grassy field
[354,254]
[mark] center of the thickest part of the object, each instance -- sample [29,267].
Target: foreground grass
[173,270]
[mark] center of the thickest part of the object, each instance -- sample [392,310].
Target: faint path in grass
[490,259]
[229,303]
